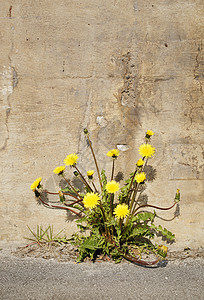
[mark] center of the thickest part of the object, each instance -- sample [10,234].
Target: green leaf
[163,231]
[80,208]
[138,231]
[103,177]
[62,198]
[66,190]
[111,222]
[91,244]
[144,216]
[104,182]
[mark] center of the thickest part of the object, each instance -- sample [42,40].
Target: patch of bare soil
[68,252]
[59,252]
[186,253]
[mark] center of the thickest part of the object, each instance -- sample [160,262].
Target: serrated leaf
[145,216]
[80,208]
[91,244]
[66,189]
[166,233]
[103,177]
[137,231]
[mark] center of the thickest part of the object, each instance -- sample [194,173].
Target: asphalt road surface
[40,279]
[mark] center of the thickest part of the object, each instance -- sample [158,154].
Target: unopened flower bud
[61,195]
[177,196]
[76,173]
[86,131]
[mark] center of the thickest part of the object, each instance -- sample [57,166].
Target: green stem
[71,186]
[83,179]
[135,190]
[94,187]
[120,224]
[130,186]
[111,196]
[94,157]
[104,218]
[131,203]
[113,167]
[133,196]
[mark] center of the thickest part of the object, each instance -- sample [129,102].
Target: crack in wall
[10,82]
[84,151]
[191,113]
[194,101]
[198,75]
[6,92]
[127,93]
[15,78]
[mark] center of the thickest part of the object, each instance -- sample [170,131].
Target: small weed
[119,224]
[46,235]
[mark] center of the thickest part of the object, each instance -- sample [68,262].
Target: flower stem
[120,224]
[94,157]
[77,201]
[104,218]
[71,186]
[94,187]
[83,179]
[153,206]
[111,204]
[136,188]
[69,194]
[130,186]
[60,207]
[113,167]
[133,196]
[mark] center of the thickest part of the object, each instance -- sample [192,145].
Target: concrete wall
[117,68]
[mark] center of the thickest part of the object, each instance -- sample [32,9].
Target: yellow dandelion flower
[163,249]
[113,153]
[146,150]
[90,173]
[112,186]
[149,133]
[140,177]
[91,200]
[121,211]
[59,170]
[140,162]
[35,184]
[71,159]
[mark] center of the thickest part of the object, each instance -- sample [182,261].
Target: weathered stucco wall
[117,68]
